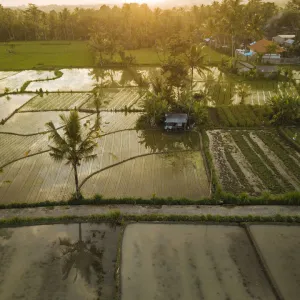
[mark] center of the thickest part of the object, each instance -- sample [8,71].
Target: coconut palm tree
[195,60]
[243,91]
[77,143]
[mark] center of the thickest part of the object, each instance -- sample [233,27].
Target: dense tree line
[134,26]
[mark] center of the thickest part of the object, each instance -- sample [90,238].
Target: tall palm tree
[195,59]
[243,91]
[74,145]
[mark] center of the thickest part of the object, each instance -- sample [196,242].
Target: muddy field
[73,262]
[254,161]
[40,178]
[280,246]
[163,261]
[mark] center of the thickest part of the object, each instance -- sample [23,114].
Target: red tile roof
[261,46]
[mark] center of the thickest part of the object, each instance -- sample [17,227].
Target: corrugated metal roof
[287,36]
[176,118]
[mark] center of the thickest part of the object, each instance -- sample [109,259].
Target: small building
[261,47]
[289,43]
[267,71]
[176,121]
[271,58]
[282,38]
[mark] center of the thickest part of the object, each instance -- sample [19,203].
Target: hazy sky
[46,2]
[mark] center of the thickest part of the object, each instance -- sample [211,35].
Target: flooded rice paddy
[40,178]
[9,103]
[280,246]
[158,262]
[71,262]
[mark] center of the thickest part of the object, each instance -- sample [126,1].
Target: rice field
[40,178]
[114,121]
[10,103]
[71,262]
[279,246]
[117,99]
[55,101]
[26,123]
[14,147]
[6,74]
[180,175]
[254,161]
[224,93]
[15,81]
[192,262]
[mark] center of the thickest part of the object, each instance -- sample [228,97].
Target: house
[261,47]
[267,71]
[175,121]
[282,38]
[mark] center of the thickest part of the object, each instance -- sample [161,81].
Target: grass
[45,55]
[74,54]
[115,217]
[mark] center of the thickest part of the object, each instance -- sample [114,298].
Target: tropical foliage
[77,142]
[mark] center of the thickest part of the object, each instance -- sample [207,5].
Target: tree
[272,48]
[243,91]
[77,143]
[285,109]
[155,107]
[195,59]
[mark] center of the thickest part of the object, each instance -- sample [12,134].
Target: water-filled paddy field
[149,261]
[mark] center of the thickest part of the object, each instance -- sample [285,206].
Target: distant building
[282,38]
[176,121]
[261,47]
[267,71]
[288,43]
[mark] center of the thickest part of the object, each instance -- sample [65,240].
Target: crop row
[56,101]
[254,162]
[239,116]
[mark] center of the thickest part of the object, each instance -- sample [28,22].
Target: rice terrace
[149,151]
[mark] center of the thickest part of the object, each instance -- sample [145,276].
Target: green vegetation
[74,145]
[46,55]
[115,217]
[239,116]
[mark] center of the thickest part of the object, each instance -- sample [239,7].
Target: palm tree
[195,60]
[74,145]
[272,48]
[243,91]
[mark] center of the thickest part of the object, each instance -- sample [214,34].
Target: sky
[47,2]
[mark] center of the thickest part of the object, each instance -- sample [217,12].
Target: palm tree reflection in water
[84,257]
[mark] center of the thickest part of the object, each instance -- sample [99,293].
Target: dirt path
[193,210]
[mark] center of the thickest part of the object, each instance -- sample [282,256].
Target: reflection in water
[70,262]
[83,257]
[161,141]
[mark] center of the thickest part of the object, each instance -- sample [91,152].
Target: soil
[280,246]
[162,261]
